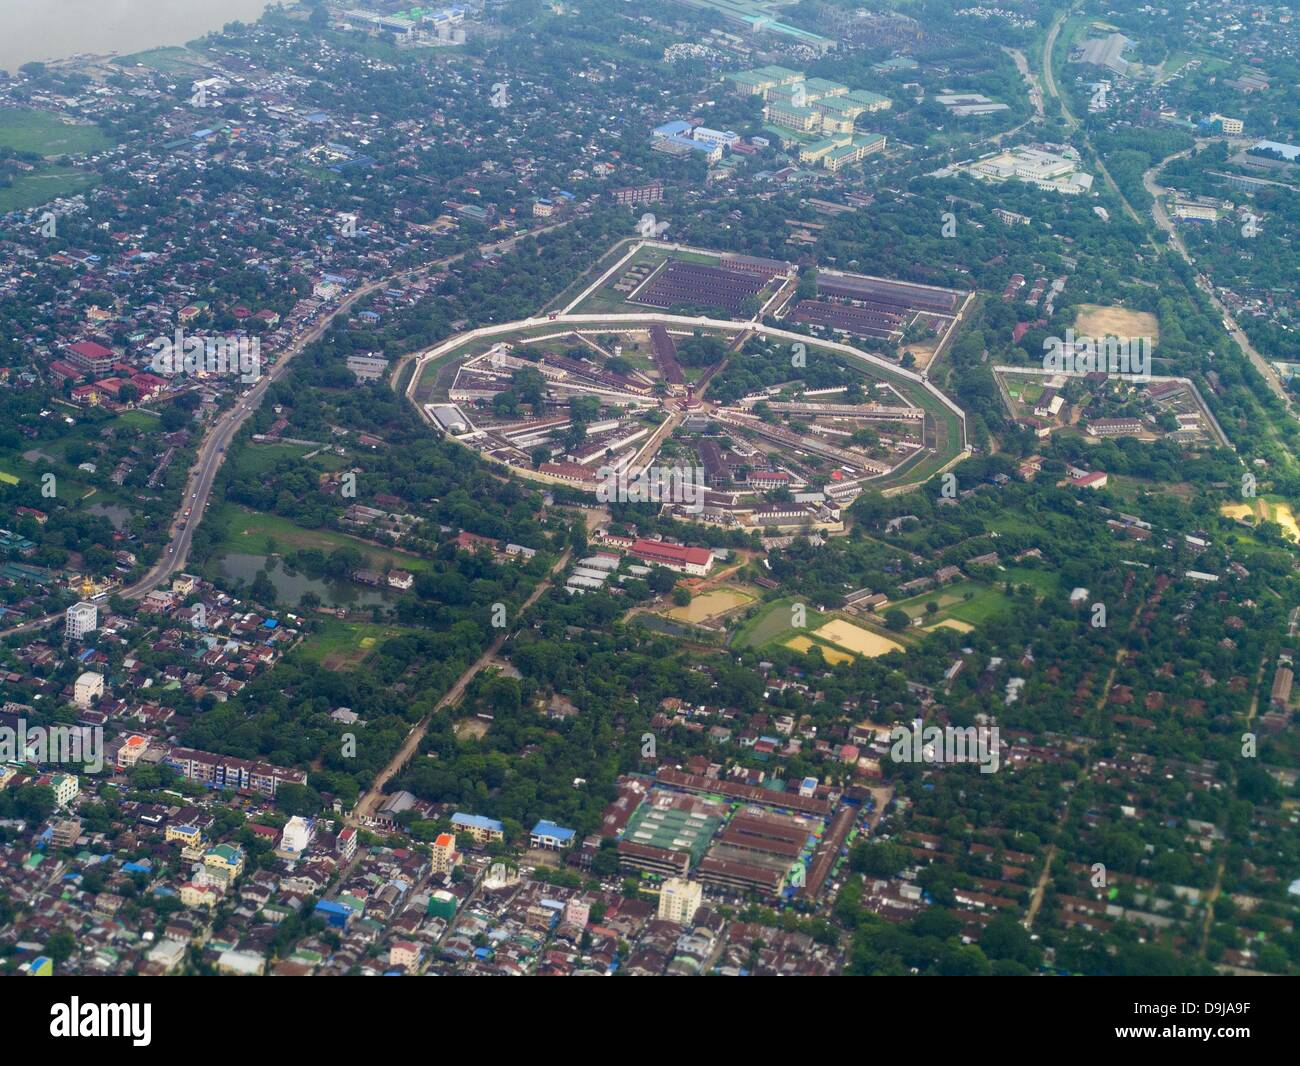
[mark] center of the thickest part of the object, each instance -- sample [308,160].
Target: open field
[471,729]
[948,596]
[346,645]
[952,623]
[1238,511]
[776,623]
[1265,509]
[27,130]
[1096,321]
[255,533]
[168,60]
[1044,582]
[44,184]
[257,459]
[832,655]
[712,604]
[973,602]
[856,639]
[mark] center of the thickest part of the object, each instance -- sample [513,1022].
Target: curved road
[1163,221]
[1049,82]
[212,451]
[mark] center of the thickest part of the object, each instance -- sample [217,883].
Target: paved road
[1162,219]
[212,451]
[1049,82]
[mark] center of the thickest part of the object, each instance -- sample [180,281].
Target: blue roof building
[482,830]
[551,836]
[673,129]
[335,913]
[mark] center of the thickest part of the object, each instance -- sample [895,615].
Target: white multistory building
[82,618]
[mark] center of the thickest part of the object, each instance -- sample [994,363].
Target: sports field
[1096,321]
[27,130]
[857,639]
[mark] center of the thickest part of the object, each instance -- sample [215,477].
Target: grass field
[839,639]
[775,624]
[139,420]
[1042,581]
[257,459]
[168,60]
[984,602]
[27,130]
[252,533]
[42,185]
[346,645]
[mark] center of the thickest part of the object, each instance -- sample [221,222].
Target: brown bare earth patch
[1096,321]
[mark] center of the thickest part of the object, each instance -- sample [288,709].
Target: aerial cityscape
[716,487]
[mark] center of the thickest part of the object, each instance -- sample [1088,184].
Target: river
[56,29]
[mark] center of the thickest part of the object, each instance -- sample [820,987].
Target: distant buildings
[1230,126]
[1093,479]
[444,853]
[963,104]
[1198,212]
[756,19]
[1115,427]
[367,368]
[837,152]
[820,115]
[1051,171]
[758,82]
[1282,682]
[295,838]
[650,193]
[90,357]
[66,787]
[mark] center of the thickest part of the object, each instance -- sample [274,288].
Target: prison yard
[565,397]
